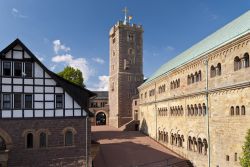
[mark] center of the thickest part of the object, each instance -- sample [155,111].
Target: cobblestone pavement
[129,149]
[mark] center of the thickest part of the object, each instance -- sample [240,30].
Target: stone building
[197,104]
[126,73]
[44,119]
[100,108]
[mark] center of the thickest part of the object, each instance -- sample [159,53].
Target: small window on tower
[131,37]
[114,40]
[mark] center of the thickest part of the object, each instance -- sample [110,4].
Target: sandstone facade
[174,109]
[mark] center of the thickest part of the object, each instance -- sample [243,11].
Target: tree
[245,160]
[73,75]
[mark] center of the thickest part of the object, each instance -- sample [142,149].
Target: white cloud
[58,46]
[52,68]
[16,13]
[103,84]
[98,60]
[77,63]
[170,48]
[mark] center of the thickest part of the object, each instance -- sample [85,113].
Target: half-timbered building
[44,119]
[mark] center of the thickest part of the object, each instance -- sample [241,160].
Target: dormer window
[18,69]
[6,68]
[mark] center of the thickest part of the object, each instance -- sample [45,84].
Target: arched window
[212,72]
[192,78]
[68,138]
[246,60]
[190,143]
[237,112]
[205,146]
[195,109]
[232,110]
[192,109]
[237,64]
[196,77]
[189,111]
[204,109]
[200,109]
[188,80]
[181,110]
[29,140]
[218,69]
[243,110]
[200,145]
[2,144]
[194,144]
[199,75]
[43,140]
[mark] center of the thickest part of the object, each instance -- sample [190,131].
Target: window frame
[25,70]
[15,68]
[4,101]
[14,101]
[25,101]
[3,68]
[66,140]
[58,102]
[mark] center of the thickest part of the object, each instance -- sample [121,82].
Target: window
[131,37]
[237,110]
[28,101]
[2,144]
[243,110]
[28,70]
[218,69]
[6,68]
[237,64]
[17,101]
[43,140]
[245,60]
[235,157]
[227,157]
[212,72]
[68,138]
[232,110]
[59,101]
[6,101]
[17,69]
[29,140]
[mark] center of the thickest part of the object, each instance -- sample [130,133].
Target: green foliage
[72,75]
[245,160]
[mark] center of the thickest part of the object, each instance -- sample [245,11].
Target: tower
[126,72]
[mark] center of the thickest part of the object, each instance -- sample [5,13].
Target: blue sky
[75,32]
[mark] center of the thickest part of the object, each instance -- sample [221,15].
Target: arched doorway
[3,153]
[101,118]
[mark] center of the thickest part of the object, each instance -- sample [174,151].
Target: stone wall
[55,154]
[159,114]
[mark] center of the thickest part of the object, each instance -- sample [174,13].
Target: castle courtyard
[131,149]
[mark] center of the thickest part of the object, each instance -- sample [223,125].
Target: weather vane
[126,17]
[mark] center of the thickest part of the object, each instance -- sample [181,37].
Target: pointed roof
[233,30]
[77,92]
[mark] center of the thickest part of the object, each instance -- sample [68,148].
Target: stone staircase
[132,125]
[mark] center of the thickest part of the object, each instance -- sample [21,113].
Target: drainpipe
[156,136]
[207,115]
[86,124]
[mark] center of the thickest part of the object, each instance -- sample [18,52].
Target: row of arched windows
[241,62]
[43,139]
[163,136]
[197,145]
[175,84]
[237,110]
[151,93]
[163,111]
[161,89]
[215,71]
[176,111]
[192,78]
[194,110]
[177,140]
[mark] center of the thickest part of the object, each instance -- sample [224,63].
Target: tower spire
[125,10]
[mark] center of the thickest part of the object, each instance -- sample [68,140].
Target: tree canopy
[245,160]
[73,75]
